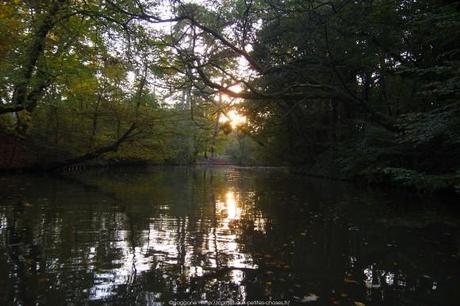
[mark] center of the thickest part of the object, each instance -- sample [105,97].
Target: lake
[184,236]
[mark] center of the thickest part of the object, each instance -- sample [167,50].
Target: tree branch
[113,147]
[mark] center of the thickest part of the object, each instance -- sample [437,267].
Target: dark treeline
[345,89]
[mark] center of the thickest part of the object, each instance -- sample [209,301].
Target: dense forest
[363,90]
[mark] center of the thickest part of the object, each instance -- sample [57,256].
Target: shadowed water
[146,236]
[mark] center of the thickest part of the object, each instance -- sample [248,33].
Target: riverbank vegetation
[349,89]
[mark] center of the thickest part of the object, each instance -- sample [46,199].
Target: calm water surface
[146,236]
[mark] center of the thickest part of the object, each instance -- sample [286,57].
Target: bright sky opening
[234,118]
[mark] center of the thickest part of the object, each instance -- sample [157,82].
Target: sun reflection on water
[169,245]
[228,210]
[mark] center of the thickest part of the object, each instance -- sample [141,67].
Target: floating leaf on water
[334,301]
[350,281]
[311,297]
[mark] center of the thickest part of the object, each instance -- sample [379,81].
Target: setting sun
[234,118]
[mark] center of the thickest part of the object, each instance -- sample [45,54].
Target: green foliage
[373,147]
[242,150]
[420,181]
[360,88]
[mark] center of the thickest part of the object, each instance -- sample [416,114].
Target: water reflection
[219,234]
[182,256]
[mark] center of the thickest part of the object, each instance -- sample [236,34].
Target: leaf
[350,281]
[311,297]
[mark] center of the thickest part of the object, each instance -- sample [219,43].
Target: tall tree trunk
[95,121]
[25,93]
[215,130]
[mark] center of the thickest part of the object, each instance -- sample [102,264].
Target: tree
[317,79]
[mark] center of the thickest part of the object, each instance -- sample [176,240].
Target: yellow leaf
[350,281]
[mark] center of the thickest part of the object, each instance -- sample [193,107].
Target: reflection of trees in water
[200,234]
[114,250]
